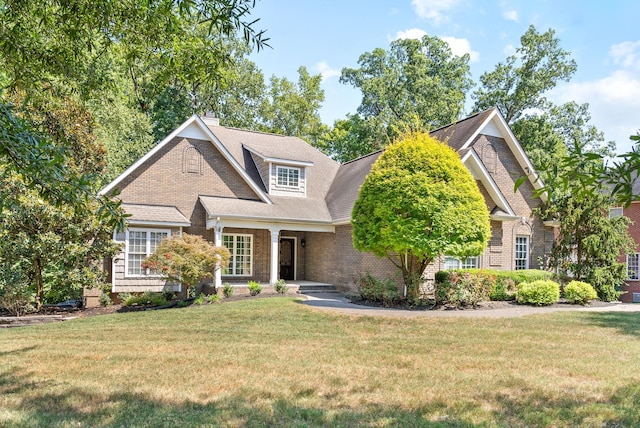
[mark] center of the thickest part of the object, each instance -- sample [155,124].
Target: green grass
[276,362]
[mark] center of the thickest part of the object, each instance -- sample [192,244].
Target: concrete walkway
[340,304]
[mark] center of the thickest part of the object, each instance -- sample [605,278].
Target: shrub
[376,290]
[199,300]
[254,288]
[17,298]
[281,286]
[227,290]
[105,299]
[607,281]
[463,289]
[504,289]
[579,292]
[147,298]
[540,293]
[213,298]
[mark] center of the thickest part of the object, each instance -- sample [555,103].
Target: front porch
[293,287]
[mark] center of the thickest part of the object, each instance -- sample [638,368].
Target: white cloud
[614,103]
[626,54]
[460,47]
[326,71]
[433,10]
[511,15]
[509,50]
[412,33]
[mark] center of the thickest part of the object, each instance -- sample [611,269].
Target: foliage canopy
[419,202]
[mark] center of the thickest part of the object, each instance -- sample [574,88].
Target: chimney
[210,119]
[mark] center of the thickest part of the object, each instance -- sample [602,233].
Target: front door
[287,259]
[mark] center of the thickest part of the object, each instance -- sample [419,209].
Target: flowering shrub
[187,259]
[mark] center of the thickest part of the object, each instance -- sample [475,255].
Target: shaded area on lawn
[40,404]
[625,323]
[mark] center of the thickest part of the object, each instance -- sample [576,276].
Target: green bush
[281,286]
[17,298]
[147,298]
[199,300]
[579,292]
[607,281]
[213,298]
[377,290]
[540,293]
[227,290]
[463,289]
[105,299]
[504,289]
[254,288]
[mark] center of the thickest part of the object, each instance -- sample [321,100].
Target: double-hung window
[522,252]
[241,249]
[288,177]
[463,263]
[140,244]
[633,266]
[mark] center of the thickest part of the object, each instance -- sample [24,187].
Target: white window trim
[126,250]
[251,255]
[460,262]
[615,209]
[286,186]
[637,256]
[515,251]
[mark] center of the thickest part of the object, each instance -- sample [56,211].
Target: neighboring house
[632,287]
[284,209]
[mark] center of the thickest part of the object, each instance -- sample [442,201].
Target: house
[283,208]
[632,283]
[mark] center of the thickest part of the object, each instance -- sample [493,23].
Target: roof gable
[195,128]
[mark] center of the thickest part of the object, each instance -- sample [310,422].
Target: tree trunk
[37,267]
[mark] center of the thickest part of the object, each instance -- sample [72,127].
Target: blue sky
[328,35]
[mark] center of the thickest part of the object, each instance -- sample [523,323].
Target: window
[633,266]
[140,244]
[522,252]
[240,247]
[615,212]
[464,263]
[288,177]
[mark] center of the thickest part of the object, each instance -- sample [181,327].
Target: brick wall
[161,180]
[632,286]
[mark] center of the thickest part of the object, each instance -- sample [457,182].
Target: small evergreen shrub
[105,299]
[503,290]
[227,290]
[607,281]
[213,298]
[579,292]
[254,288]
[281,286]
[540,293]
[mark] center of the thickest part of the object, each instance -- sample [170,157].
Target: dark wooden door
[287,259]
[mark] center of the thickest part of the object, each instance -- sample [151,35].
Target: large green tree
[520,83]
[419,202]
[414,78]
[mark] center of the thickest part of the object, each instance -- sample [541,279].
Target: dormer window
[288,177]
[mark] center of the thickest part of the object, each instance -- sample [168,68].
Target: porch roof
[288,209]
[166,215]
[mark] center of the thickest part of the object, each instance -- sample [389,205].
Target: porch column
[217,241]
[275,248]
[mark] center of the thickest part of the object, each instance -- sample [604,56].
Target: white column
[275,250]
[217,241]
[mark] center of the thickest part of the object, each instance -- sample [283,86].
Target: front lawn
[276,362]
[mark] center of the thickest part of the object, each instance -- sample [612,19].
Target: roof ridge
[363,156]
[462,120]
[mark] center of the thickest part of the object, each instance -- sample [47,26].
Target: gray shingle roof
[145,214]
[458,133]
[283,209]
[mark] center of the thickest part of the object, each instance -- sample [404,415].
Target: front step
[317,288]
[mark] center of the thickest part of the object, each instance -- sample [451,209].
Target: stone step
[317,288]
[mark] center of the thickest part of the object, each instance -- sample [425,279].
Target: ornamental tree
[419,202]
[187,259]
